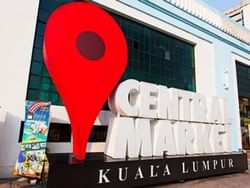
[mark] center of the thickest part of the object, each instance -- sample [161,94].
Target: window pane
[156,57]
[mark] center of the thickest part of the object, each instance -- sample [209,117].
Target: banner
[32,160]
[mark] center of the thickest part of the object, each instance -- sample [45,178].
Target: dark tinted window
[153,57]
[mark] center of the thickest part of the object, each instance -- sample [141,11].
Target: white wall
[17,27]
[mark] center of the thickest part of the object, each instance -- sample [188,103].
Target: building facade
[240,13]
[179,43]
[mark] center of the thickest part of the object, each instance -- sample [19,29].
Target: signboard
[159,134]
[154,120]
[36,125]
[99,170]
[32,158]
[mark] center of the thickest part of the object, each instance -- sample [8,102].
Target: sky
[221,5]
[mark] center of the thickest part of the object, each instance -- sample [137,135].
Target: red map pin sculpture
[85,53]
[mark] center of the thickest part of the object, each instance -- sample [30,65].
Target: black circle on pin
[90,45]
